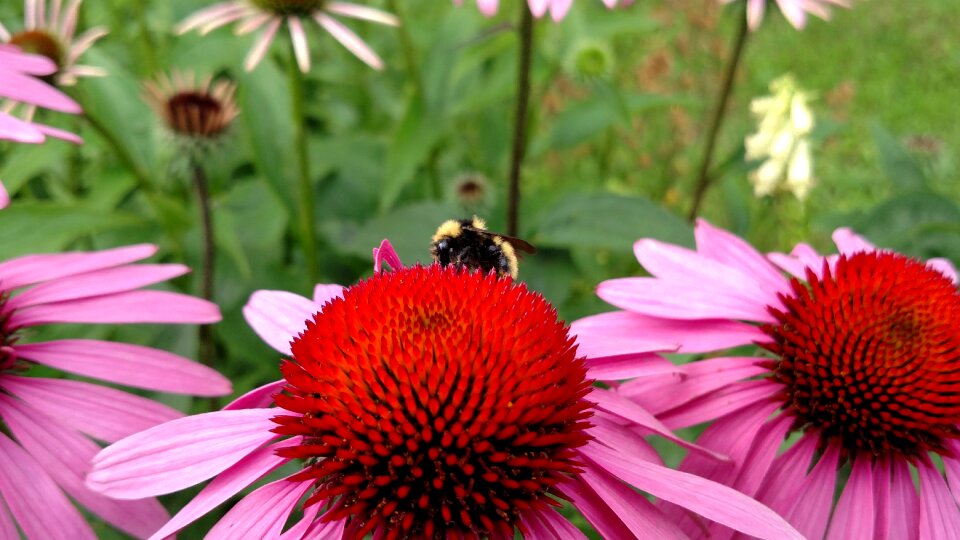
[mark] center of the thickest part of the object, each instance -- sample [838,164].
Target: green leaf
[28,160]
[921,223]
[408,228]
[410,146]
[897,164]
[607,221]
[30,227]
[265,105]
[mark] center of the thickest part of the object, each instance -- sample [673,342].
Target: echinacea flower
[55,37]
[19,80]
[193,109]
[46,446]
[271,14]
[795,11]
[782,140]
[858,369]
[425,402]
[557,8]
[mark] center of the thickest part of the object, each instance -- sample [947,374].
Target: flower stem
[207,348]
[406,43]
[308,234]
[520,120]
[719,114]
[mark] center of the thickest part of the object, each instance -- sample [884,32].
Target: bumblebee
[468,243]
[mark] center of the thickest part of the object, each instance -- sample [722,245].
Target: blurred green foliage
[620,100]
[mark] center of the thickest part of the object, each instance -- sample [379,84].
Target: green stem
[308,234]
[719,114]
[207,347]
[520,119]
[149,65]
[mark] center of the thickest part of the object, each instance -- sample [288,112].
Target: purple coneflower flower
[19,80]
[795,11]
[859,367]
[270,15]
[54,36]
[46,446]
[426,402]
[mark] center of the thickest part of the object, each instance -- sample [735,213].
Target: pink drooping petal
[793,13]
[21,271]
[71,14]
[37,504]
[905,501]
[595,509]
[709,499]
[720,403]
[299,38]
[881,499]
[13,59]
[214,13]
[945,267]
[549,525]
[854,515]
[101,412]
[755,10]
[58,133]
[16,130]
[261,514]
[26,89]
[559,9]
[628,410]
[301,527]
[83,42]
[810,511]
[324,530]
[664,392]
[263,42]
[225,485]
[682,266]
[385,254]
[612,431]
[179,454]
[323,293]
[124,308]
[258,398]
[635,511]
[4,197]
[623,332]
[761,455]
[849,242]
[8,529]
[364,13]
[785,478]
[952,469]
[939,516]
[96,283]
[278,317]
[350,40]
[488,7]
[615,368]
[733,251]
[65,455]
[130,365]
[675,300]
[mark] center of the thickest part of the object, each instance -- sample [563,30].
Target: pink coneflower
[859,364]
[19,80]
[426,402]
[795,11]
[557,8]
[46,446]
[54,36]
[270,15]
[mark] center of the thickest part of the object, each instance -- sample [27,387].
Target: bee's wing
[517,243]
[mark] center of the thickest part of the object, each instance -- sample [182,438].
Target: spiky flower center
[40,42]
[196,114]
[870,355]
[435,403]
[291,7]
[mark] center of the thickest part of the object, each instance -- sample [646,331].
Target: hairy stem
[719,114]
[207,345]
[520,119]
[308,234]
